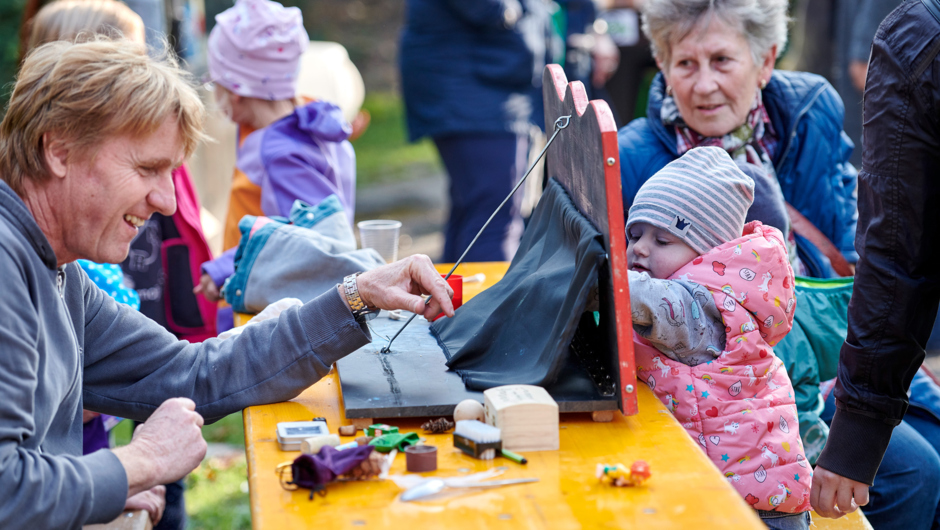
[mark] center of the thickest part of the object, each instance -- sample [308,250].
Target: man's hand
[398,286]
[834,495]
[152,500]
[208,288]
[165,448]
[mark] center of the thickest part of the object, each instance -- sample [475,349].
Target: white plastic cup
[382,236]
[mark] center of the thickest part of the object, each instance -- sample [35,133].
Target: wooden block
[348,430]
[361,423]
[526,416]
[135,520]
[602,416]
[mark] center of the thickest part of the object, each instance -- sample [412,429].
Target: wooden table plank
[685,487]
[686,490]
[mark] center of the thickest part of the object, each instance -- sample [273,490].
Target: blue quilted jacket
[811,160]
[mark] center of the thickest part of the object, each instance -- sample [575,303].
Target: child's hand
[208,288]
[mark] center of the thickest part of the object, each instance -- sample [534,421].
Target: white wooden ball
[469,409]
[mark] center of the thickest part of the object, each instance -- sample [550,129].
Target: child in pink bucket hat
[255,49]
[288,149]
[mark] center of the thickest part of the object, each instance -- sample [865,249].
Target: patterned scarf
[754,142]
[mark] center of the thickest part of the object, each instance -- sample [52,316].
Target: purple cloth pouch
[314,472]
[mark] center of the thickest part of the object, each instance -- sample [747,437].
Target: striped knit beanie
[702,197]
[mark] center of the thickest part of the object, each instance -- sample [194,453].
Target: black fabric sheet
[519,330]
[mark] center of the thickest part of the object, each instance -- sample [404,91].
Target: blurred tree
[368,29]
[11,15]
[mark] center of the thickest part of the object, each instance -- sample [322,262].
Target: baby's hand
[208,288]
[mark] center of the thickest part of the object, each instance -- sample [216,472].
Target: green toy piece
[378,429]
[395,440]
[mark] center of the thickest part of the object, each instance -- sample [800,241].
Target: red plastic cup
[456,283]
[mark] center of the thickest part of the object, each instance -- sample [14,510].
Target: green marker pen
[515,457]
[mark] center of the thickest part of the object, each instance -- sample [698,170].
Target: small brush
[477,439]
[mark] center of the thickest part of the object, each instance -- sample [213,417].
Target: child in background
[288,150]
[708,305]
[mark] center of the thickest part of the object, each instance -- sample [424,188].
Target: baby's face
[656,251]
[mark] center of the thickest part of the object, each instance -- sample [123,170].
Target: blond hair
[82,19]
[90,91]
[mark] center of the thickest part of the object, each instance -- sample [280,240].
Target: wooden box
[526,416]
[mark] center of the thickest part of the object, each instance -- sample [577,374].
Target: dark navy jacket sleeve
[897,286]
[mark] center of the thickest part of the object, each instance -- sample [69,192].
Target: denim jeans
[906,492]
[778,521]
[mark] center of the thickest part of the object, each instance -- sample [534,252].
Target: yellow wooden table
[685,491]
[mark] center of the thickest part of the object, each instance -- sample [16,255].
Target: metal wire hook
[561,123]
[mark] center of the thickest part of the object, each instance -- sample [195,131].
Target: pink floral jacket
[740,407]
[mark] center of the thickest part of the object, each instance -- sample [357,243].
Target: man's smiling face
[112,191]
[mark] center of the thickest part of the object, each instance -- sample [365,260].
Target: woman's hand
[399,286]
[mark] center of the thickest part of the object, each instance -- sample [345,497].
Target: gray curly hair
[762,22]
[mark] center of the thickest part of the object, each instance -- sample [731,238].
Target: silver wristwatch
[361,312]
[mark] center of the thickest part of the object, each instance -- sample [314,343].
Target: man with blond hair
[90,138]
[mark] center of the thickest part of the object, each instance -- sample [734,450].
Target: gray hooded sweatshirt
[66,345]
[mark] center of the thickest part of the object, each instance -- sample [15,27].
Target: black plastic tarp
[519,330]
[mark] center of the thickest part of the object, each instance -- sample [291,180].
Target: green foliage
[217,495]
[217,490]
[229,430]
[122,433]
[383,153]
[11,13]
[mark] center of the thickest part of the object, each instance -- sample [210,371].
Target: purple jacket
[303,156]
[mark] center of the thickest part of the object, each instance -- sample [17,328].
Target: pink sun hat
[255,49]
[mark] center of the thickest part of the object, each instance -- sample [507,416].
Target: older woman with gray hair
[718,87]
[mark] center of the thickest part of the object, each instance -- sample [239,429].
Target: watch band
[351,290]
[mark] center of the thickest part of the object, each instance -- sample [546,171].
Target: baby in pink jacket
[710,298]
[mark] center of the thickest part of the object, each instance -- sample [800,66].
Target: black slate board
[412,380]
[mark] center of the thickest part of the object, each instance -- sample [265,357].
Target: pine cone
[438,426]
